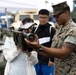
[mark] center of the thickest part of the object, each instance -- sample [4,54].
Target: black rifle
[19,36]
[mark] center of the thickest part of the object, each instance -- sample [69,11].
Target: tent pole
[6,17]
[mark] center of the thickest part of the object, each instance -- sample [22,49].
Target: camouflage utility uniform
[65,66]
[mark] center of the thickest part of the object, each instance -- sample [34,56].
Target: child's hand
[28,53]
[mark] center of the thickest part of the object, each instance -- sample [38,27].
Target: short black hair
[26,20]
[44,12]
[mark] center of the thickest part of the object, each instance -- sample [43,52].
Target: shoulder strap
[50,30]
[36,28]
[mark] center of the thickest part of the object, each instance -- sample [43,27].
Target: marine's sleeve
[71,36]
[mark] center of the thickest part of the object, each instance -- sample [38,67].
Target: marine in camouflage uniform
[65,66]
[66,35]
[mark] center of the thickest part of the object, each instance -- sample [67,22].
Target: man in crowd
[45,33]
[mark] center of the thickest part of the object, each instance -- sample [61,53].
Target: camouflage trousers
[71,72]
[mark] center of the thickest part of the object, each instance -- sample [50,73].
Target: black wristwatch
[41,48]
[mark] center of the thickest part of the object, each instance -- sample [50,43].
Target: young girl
[19,62]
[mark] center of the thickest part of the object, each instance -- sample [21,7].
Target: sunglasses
[57,16]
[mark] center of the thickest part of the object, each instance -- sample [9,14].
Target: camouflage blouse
[65,66]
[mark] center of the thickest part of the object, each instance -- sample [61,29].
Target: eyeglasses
[42,17]
[57,16]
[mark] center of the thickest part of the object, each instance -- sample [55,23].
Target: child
[19,62]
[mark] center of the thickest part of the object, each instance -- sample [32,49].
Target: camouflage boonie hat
[58,8]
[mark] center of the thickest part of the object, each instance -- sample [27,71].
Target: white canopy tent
[17,5]
[14,6]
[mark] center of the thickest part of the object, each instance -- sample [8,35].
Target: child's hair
[26,20]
